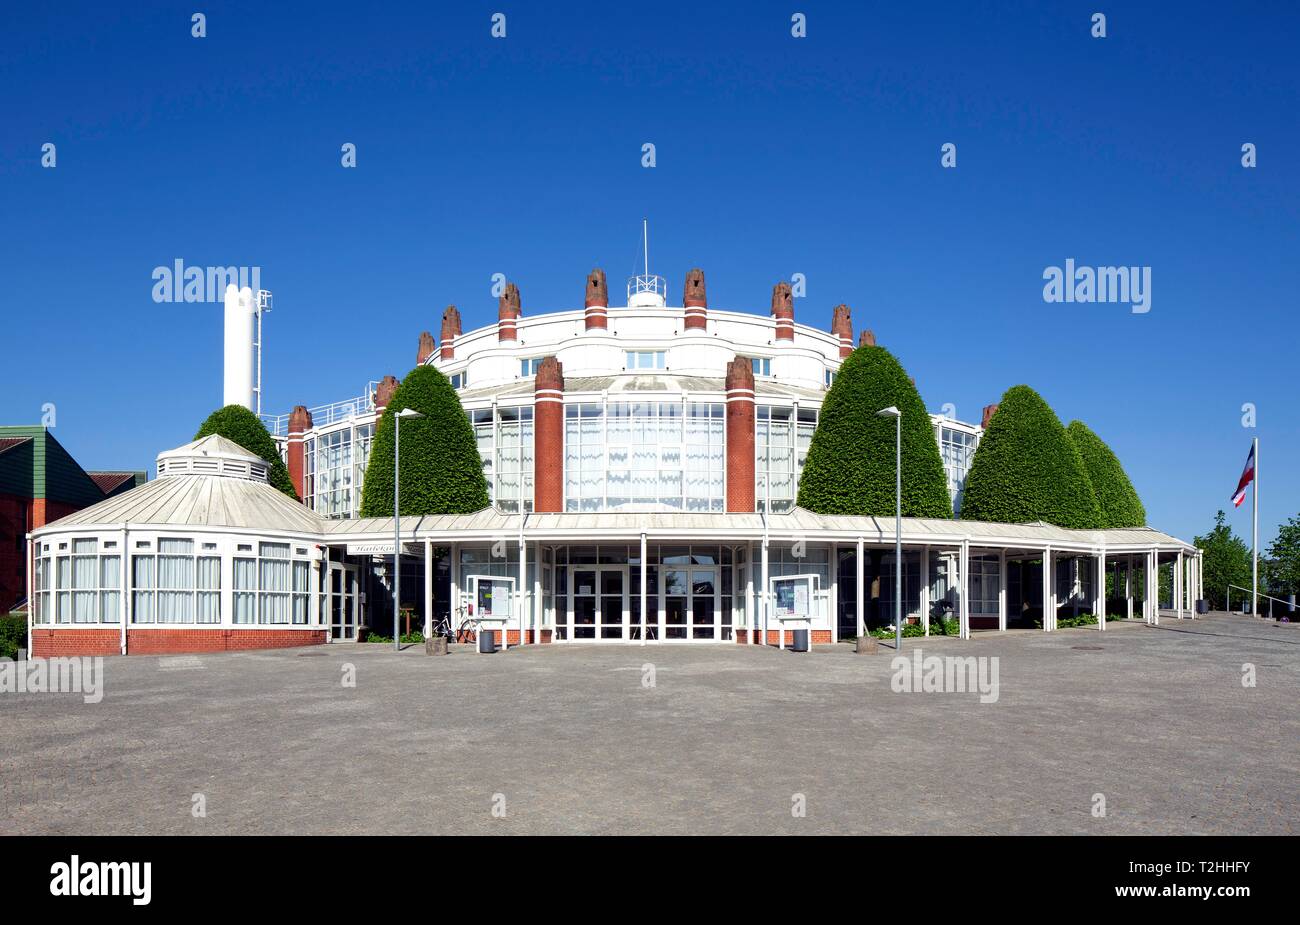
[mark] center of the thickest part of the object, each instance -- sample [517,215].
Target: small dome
[213,455]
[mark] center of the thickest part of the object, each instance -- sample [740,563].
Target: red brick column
[989,411]
[299,424]
[508,312]
[740,436]
[450,331]
[842,327]
[867,338]
[384,392]
[783,311]
[695,300]
[597,301]
[548,437]
[426,348]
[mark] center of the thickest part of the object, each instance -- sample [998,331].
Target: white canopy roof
[215,483]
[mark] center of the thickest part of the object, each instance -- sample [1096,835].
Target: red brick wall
[296,450]
[740,436]
[819,637]
[548,437]
[597,301]
[107,640]
[47,643]
[783,311]
[13,548]
[696,301]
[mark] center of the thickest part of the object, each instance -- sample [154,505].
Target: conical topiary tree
[237,423]
[1027,468]
[850,466]
[1116,496]
[442,472]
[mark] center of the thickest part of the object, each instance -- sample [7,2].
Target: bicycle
[459,633]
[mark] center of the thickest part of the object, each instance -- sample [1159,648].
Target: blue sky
[775,155]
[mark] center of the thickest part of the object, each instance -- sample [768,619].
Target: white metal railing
[324,415]
[656,285]
[1227,603]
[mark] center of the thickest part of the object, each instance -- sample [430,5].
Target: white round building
[643,464]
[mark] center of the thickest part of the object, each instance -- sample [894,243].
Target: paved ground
[1157,720]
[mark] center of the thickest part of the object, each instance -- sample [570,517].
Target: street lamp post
[893,412]
[410,415]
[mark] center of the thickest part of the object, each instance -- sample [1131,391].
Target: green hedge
[850,466]
[1027,469]
[442,472]
[13,634]
[237,423]
[1116,496]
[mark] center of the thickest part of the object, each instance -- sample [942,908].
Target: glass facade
[781,440]
[505,444]
[336,466]
[957,449]
[644,456]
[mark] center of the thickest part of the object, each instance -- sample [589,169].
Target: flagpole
[1254,543]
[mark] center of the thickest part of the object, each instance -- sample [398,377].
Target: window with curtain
[175,578]
[245,585]
[78,584]
[274,573]
[142,597]
[208,594]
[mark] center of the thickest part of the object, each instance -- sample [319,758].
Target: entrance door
[598,604]
[342,604]
[690,602]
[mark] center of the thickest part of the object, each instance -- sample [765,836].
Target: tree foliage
[441,470]
[850,465]
[1284,559]
[1027,468]
[1225,560]
[237,423]
[1116,496]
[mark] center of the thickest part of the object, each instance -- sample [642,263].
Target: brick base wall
[107,641]
[819,637]
[48,643]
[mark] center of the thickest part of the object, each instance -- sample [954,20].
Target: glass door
[342,606]
[613,613]
[690,603]
[598,604]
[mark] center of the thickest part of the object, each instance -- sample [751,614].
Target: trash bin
[1202,606]
[800,643]
[487,641]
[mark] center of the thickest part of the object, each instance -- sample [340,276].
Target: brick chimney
[299,424]
[867,338]
[740,436]
[427,346]
[842,326]
[989,411]
[695,300]
[548,437]
[783,311]
[384,392]
[508,312]
[450,331]
[597,303]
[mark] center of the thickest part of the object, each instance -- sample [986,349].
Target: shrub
[1116,497]
[237,423]
[442,472]
[1027,469]
[13,634]
[850,466]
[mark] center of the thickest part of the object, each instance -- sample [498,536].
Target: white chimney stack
[239,347]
